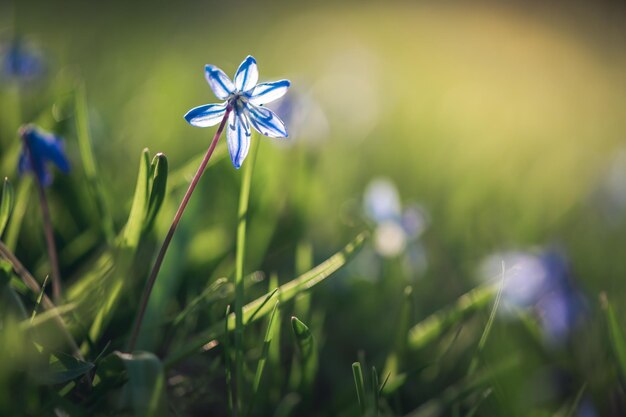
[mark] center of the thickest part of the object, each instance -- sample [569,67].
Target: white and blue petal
[221,85]
[207,115]
[267,92]
[238,137]
[266,122]
[247,75]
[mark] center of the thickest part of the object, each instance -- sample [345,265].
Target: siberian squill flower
[395,227]
[245,100]
[22,61]
[39,148]
[540,282]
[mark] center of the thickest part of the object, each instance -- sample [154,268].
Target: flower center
[238,100]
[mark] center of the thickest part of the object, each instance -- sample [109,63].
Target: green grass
[503,122]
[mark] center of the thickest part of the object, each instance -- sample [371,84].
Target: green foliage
[508,130]
[437,323]
[98,292]
[145,389]
[307,350]
[6,204]
[618,341]
[64,368]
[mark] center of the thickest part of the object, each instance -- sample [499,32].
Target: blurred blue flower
[304,117]
[541,282]
[586,409]
[22,61]
[246,99]
[38,148]
[395,228]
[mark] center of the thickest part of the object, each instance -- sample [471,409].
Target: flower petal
[221,85]
[247,75]
[207,115]
[266,122]
[268,92]
[24,164]
[55,152]
[238,137]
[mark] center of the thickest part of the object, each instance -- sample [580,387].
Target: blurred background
[463,134]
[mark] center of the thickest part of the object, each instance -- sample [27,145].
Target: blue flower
[38,148]
[395,227]
[22,61]
[304,117]
[541,282]
[245,100]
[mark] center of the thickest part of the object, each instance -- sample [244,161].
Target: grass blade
[244,197]
[19,211]
[487,330]
[618,343]
[435,324]
[64,368]
[88,160]
[228,366]
[308,352]
[357,372]
[483,396]
[134,224]
[213,292]
[375,391]
[6,204]
[395,358]
[145,389]
[158,186]
[269,333]
[286,292]
[265,301]
[39,298]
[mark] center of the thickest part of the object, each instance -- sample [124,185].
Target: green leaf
[308,352]
[304,338]
[487,330]
[10,302]
[158,171]
[395,357]
[466,387]
[215,291]
[64,368]
[88,160]
[616,335]
[145,390]
[269,333]
[19,212]
[6,204]
[286,292]
[375,391]
[359,384]
[97,293]
[434,325]
[139,208]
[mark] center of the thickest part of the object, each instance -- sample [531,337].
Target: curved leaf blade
[6,204]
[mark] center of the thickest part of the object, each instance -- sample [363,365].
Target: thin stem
[32,283]
[244,196]
[52,249]
[170,234]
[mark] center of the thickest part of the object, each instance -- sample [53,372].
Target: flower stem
[244,196]
[170,234]
[52,249]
